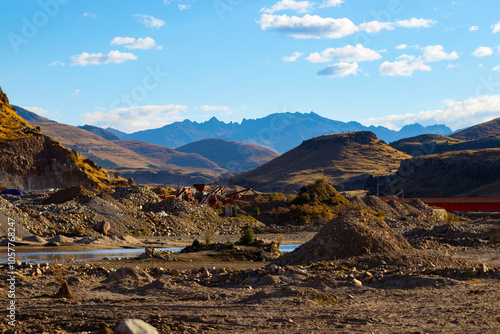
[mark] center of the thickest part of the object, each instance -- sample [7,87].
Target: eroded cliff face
[32,160]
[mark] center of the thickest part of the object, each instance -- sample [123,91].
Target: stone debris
[135,326]
[124,273]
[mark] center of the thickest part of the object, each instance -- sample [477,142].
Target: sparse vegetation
[247,237]
[60,278]
[209,234]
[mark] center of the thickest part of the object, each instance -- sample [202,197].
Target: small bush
[257,211]
[208,234]
[231,245]
[248,237]
[196,243]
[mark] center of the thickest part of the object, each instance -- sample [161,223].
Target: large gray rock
[135,326]
[102,227]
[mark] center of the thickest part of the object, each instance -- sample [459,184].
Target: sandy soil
[231,291]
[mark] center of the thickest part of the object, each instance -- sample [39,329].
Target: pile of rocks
[135,196]
[178,206]
[353,234]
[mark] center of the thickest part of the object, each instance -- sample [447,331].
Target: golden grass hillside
[30,159]
[345,158]
[11,125]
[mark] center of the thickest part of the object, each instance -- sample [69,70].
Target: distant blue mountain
[280,132]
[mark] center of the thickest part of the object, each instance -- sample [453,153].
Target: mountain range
[280,132]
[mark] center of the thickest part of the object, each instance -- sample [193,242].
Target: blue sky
[134,65]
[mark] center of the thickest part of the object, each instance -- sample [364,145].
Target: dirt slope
[346,158]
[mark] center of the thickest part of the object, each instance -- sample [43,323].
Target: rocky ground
[376,268]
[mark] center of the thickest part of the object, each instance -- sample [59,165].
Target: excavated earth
[362,273]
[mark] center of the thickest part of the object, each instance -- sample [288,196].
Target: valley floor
[227,292]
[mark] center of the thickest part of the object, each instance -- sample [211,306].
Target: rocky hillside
[483,130]
[347,159]
[233,156]
[433,144]
[473,173]
[32,160]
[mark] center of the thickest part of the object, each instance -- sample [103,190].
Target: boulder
[135,326]
[102,227]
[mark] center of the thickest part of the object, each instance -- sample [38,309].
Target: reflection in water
[95,254]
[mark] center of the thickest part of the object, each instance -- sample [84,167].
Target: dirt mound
[61,239]
[125,273]
[135,195]
[354,234]
[404,209]
[68,194]
[377,205]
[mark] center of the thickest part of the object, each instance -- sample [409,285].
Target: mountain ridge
[279,132]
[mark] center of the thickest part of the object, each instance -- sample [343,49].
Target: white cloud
[298,6]
[76,92]
[207,107]
[57,62]
[340,70]
[401,47]
[89,15]
[347,53]
[415,23]
[376,26]
[482,51]
[132,43]
[496,68]
[496,27]
[406,57]
[309,26]
[474,28]
[37,110]
[450,66]
[293,57]
[113,57]
[455,114]
[433,53]
[331,3]
[150,21]
[183,7]
[43,112]
[137,118]
[403,68]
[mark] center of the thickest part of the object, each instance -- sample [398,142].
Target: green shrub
[257,211]
[248,237]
